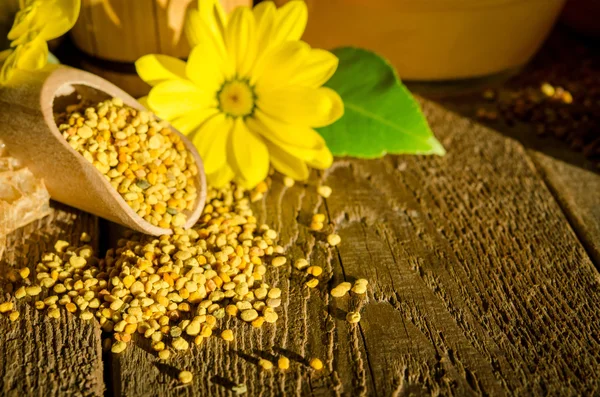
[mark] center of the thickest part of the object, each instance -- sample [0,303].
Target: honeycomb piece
[23,197]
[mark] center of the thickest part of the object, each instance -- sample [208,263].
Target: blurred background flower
[35,23]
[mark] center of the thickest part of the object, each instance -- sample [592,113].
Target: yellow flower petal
[287,164]
[322,160]
[213,14]
[205,67]
[277,131]
[56,17]
[277,66]
[241,40]
[32,55]
[290,22]
[318,67]
[293,63]
[220,177]
[208,22]
[4,54]
[211,142]
[155,69]
[8,67]
[248,155]
[144,102]
[48,18]
[188,123]
[264,15]
[22,23]
[302,105]
[174,98]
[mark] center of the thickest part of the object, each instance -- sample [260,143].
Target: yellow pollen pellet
[314,270]
[33,290]
[341,290]
[118,347]
[278,261]
[288,182]
[324,191]
[164,354]
[6,307]
[353,317]
[333,239]
[301,264]
[20,293]
[318,218]
[186,377]
[54,313]
[316,364]
[265,364]
[312,283]
[258,322]
[283,363]
[13,316]
[227,335]
[24,272]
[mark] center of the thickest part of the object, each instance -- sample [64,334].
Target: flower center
[236,98]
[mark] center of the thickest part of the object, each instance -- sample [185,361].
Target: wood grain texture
[577,190]
[479,286]
[125,30]
[40,356]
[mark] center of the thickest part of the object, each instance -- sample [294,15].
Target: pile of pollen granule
[142,158]
[172,289]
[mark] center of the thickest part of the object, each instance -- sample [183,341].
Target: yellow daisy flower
[250,93]
[36,22]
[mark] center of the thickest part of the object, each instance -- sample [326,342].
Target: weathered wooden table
[483,270]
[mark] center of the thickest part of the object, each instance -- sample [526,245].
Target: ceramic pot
[433,40]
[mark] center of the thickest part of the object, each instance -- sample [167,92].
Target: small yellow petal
[188,123]
[56,17]
[241,40]
[208,22]
[5,54]
[155,69]
[248,155]
[49,19]
[21,24]
[211,142]
[264,15]
[322,160]
[144,102]
[290,22]
[32,55]
[213,15]
[220,177]
[279,65]
[8,67]
[174,98]
[205,67]
[275,130]
[293,63]
[318,67]
[287,164]
[302,105]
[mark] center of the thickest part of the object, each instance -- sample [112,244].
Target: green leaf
[380,116]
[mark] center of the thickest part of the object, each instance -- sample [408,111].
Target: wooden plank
[41,356]
[570,165]
[577,190]
[478,285]
[573,180]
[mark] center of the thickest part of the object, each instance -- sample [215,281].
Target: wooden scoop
[27,106]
